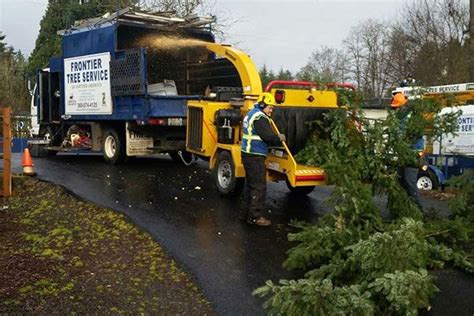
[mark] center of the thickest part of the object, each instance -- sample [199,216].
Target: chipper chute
[299,103]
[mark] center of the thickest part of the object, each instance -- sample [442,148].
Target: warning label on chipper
[87,85]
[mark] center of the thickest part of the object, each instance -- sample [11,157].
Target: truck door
[49,96]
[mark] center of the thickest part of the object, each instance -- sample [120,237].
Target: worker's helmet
[398,100]
[266,99]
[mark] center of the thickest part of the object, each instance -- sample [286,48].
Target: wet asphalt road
[181,208]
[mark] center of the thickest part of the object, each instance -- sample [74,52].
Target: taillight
[156,121]
[315,177]
[280,96]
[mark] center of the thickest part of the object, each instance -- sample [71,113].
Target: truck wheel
[427,181]
[224,173]
[113,147]
[300,190]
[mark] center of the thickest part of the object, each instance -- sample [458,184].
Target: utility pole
[471,40]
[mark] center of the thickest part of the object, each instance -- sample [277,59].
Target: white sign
[87,85]
[463,142]
[138,145]
[466,124]
[413,92]
[450,88]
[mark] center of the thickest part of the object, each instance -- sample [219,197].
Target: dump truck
[122,82]
[451,155]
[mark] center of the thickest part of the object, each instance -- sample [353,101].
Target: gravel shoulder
[59,254]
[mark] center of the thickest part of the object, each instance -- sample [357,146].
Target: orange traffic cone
[27,163]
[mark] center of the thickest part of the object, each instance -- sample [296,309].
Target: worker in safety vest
[407,175]
[257,137]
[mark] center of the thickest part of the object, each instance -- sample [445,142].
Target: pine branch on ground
[356,261]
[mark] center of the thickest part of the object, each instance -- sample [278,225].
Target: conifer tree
[355,260]
[3,45]
[61,14]
[266,75]
[13,90]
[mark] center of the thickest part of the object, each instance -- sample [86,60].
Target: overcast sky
[275,33]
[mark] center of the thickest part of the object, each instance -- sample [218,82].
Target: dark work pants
[255,186]
[407,180]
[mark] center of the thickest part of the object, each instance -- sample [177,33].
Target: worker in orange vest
[400,103]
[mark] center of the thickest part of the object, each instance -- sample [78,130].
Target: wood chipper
[214,128]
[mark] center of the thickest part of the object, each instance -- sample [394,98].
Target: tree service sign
[87,85]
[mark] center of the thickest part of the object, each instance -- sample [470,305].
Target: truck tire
[113,147]
[427,181]
[224,174]
[300,190]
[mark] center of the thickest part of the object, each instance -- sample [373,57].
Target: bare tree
[435,39]
[367,48]
[400,58]
[182,8]
[427,42]
[438,21]
[354,49]
[188,8]
[324,65]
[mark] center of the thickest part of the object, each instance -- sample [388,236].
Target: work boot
[260,221]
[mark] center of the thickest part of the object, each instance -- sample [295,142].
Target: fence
[6,134]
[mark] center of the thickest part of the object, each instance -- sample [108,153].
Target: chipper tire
[113,147]
[224,173]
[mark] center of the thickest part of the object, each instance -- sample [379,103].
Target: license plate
[175,121]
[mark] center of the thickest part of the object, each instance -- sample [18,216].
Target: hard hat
[266,99]
[398,100]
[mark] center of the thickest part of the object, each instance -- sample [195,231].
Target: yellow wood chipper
[214,128]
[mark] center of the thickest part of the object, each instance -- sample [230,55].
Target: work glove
[282,137]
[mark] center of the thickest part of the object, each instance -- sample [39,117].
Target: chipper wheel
[224,173]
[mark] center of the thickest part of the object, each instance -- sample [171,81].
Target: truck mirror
[30,90]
